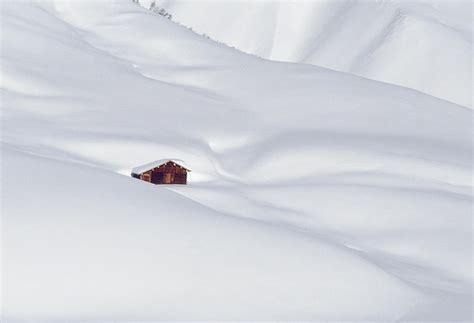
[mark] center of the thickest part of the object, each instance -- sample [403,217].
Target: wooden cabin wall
[180,178]
[165,174]
[146,176]
[169,174]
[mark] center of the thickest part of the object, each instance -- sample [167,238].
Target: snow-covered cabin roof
[157,163]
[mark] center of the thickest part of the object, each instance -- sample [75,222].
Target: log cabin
[163,171]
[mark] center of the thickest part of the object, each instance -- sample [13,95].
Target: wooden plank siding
[168,173]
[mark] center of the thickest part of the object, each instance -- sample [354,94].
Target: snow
[314,194]
[156,163]
[424,45]
[166,252]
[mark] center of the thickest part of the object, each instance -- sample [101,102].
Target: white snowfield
[314,194]
[421,44]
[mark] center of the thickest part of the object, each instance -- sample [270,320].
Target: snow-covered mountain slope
[314,194]
[424,45]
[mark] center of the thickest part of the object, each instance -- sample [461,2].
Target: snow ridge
[424,45]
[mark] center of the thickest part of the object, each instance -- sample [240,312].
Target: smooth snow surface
[314,194]
[424,45]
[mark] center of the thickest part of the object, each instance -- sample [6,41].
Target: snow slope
[314,194]
[424,45]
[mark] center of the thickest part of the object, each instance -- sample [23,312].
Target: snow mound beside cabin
[100,236]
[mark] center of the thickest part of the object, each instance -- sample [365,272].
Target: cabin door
[167,179]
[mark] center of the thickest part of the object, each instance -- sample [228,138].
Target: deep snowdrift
[162,256]
[314,195]
[425,45]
